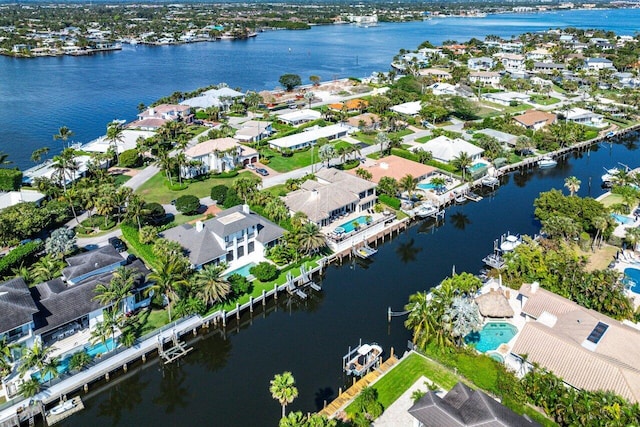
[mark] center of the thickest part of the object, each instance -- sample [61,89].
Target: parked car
[117,244]
[262,171]
[251,166]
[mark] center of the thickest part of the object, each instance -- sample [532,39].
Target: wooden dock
[56,418]
[344,398]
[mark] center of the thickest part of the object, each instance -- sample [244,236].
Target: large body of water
[37,96]
[224,381]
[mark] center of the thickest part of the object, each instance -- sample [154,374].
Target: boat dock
[76,406]
[365,251]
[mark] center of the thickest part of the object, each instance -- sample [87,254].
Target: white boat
[365,252]
[490,181]
[547,162]
[509,243]
[62,407]
[362,358]
[426,210]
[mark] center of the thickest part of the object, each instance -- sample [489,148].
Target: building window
[240,251]
[251,247]
[229,256]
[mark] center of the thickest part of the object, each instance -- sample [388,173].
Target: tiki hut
[494,304]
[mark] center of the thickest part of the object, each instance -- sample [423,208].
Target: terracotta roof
[533,117]
[367,118]
[352,104]
[397,168]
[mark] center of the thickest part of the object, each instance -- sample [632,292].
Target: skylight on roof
[596,335]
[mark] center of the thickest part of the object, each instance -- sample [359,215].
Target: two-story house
[154,117]
[217,155]
[481,63]
[253,131]
[236,236]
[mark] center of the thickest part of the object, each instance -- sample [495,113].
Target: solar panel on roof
[597,332]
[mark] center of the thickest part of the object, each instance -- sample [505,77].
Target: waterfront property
[585,117]
[397,167]
[253,131]
[462,406]
[299,117]
[333,195]
[445,149]
[507,139]
[587,349]
[235,236]
[217,155]
[535,120]
[491,336]
[128,141]
[11,198]
[154,118]
[220,98]
[311,136]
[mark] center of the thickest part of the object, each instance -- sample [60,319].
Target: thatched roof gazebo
[494,304]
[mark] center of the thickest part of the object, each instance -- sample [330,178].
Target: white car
[251,166]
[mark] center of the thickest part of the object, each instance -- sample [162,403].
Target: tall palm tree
[212,287]
[106,328]
[64,133]
[408,184]
[462,162]
[37,154]
[136,209]
[245,186]
[115,136]
[120,287]
[573,184]
[35,356]
[50,369]
[632,236]
[165,162]
[311,238]
[65,167]
[600,223]
[167,277]
[6,356]
[283,389]
[298,220]
[30,388]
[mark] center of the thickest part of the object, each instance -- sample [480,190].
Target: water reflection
[122,397]
[460,220]
[408,251]
[173,393]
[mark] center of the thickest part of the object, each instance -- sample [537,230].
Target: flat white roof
[309,136]
[14,197]
[129,137]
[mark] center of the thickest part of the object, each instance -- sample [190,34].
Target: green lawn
[121,179]
[487,109]
[156,190]
[544,100]
[424,139]
[298,160]
[398,380]
[147,321]
[369,139]
[611,199]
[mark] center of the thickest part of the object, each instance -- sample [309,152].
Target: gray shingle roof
[201,247]
[462,406]
[82,264]
[16,305]
[59,303]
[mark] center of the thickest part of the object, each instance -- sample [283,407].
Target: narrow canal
[224,382]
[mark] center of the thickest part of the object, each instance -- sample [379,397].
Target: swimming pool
[348,226]
[632,279]
[491,336]
[243,271]
[427,186]
[496,356]
[477,166]
[621,218]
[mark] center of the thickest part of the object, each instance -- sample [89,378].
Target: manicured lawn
[147,321]
[277,190]
[298,160]
[611,199]
[600,259]
[369,139]
[156,190]
[488,109]
[121,179]
[543,100]
[424,139]
[398,380]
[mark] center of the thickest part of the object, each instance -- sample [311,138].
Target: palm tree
[6,356]
[120,287]
[311,239]
[408,184]
[136,209]
[46,268]
[64,133]
[34,357]
[283,389]
[439,183]
[212,287]
[115,136]
[106,328]
[421,319]
[50,369]
[462,162]
[326,153]
[600,223]
[65,167]
[79,360]
[37,154]
[298,220]
[573,184]
[383,139]
[168,275]
[30,388]
[632,236]
[245,186]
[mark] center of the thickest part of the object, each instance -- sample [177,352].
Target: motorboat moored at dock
[359,360]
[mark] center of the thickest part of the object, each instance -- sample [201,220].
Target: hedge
[18,255]
[130,234]
[129,159]
[394,202]
[10,179]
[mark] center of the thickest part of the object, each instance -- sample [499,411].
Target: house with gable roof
[217,155]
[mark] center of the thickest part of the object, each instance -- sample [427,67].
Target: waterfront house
[129,141]
[586,349]
[81,267]
[506,98]
[463,406]
[333,194]
[408,108]
[512,62]
[491,78]
[299,117]
[597,64]
[162,113]
[217,155]
[445,149]
[436,74]
[12,198]
[482,63]
[310,136]
[236,235]
[17,308]
[503,137]
[535,120]
[397,167]
[221,98]
[585,117]
[253,131]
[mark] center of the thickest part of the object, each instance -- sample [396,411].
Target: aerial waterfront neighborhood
[215,203]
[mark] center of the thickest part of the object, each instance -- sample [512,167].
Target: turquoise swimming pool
[632,279]
[243,271]
[491,336]
[427,186]
[621,218]
[348,226]
[63,365]
[477,166]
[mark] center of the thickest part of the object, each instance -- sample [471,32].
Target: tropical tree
[326,153]
[462,317]
[572,184]
[30,388]
[106,328]
[632,236]
[64,133]
[61,242]
[311,239]
[46,268]
[37,154]
[6,356]
[35,356]
[136,209]
[364,174]
[79,360]
[212,286]
[50,369]
[65,167]
[283,389]
[408,184]
[245,186]
[462,162]
[170,272]
[290,81]
[121,286]
[382,138]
